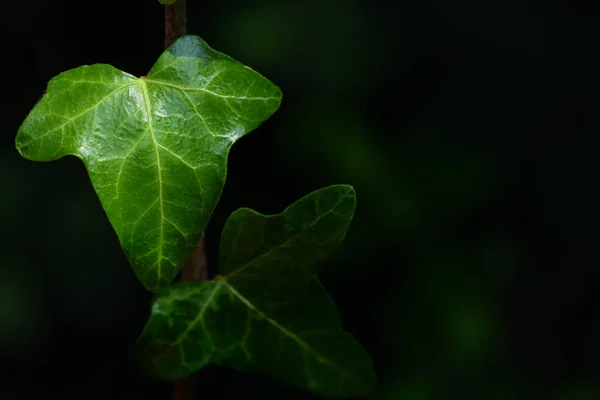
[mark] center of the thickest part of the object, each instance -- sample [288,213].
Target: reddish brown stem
[194,268]
[185,389]
[175,21]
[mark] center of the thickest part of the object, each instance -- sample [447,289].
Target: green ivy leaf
[268,314]
[155,147]
[167,1]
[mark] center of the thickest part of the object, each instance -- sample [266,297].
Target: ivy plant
[156,148]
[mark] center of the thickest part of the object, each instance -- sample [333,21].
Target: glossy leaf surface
[155,147]
[268,314]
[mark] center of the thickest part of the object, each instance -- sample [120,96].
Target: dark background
[467,128]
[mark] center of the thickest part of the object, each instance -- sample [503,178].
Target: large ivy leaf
[268,314]
[155,147]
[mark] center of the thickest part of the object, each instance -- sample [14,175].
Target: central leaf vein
[158,166]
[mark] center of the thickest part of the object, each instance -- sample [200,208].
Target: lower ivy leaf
[268,314]
[155,147]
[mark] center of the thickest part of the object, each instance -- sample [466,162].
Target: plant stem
[194,268]
[185,389]
[175,21]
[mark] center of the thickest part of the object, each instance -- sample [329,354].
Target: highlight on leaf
[267,313]
[155,147]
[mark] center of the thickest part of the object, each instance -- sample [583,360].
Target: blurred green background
[467,128]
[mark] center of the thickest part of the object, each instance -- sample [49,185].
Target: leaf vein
[79,114]
[283,330]
[195,321]
[222,96]
[159,171]
[286,242]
